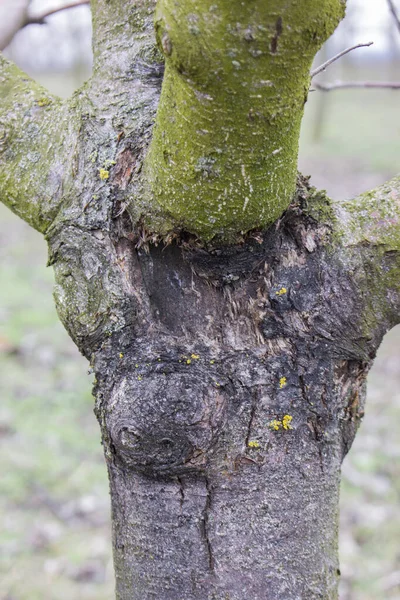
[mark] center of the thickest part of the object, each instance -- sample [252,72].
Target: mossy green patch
[374,217]
[29,136]
[223,158]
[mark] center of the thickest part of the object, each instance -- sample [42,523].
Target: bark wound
[278,33]
[124,168]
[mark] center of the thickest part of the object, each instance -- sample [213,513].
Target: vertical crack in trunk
[205,527]
[304,394]
[181,492]
[278,33]
[324,395]
[313,422]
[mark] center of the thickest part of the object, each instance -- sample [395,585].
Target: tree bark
[225,425]
[230,378]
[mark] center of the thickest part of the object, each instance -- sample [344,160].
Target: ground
[54,503]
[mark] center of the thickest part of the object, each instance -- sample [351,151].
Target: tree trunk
[230,331]
[225,421]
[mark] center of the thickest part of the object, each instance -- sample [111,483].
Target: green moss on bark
[223,158]
[374,217]
[369,230]
[30,126]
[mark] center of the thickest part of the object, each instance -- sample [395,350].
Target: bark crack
[304,395]
[278,33]
[205,527]
[181,492]
[251,420]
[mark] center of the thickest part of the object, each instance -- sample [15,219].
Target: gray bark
[209,499]
[230,380]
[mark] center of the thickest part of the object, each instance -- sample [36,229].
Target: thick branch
[369,229]
[95,269]
[374,217]
[32,147]
[227,129]
[114,46]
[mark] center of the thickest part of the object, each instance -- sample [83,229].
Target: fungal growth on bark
[229,310]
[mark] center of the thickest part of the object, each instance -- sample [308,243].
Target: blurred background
[54,504]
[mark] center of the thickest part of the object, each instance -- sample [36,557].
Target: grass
[54,514]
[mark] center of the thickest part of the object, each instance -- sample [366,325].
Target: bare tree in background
[230,312]
[16,14]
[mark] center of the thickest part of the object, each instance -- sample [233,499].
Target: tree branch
[228,123]
[340,85]
[17,15]
[40,19]
[394,13]
[326,64]
[368,227]
[32,146]
[374,217]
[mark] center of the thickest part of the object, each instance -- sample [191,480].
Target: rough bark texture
[230,379]
[226,422]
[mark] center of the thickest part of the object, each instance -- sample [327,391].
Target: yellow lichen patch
[140,378]
[189,361]
[282,382]
[253,444]
[104,174]
[109,163]
[121,355]
[276,425]
[43,101]
[195,356]
[281,292]
[212,362]
[287,419]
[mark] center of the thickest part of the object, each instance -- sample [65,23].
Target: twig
[40,19]
[326,64]
[340,85]
[394,13]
